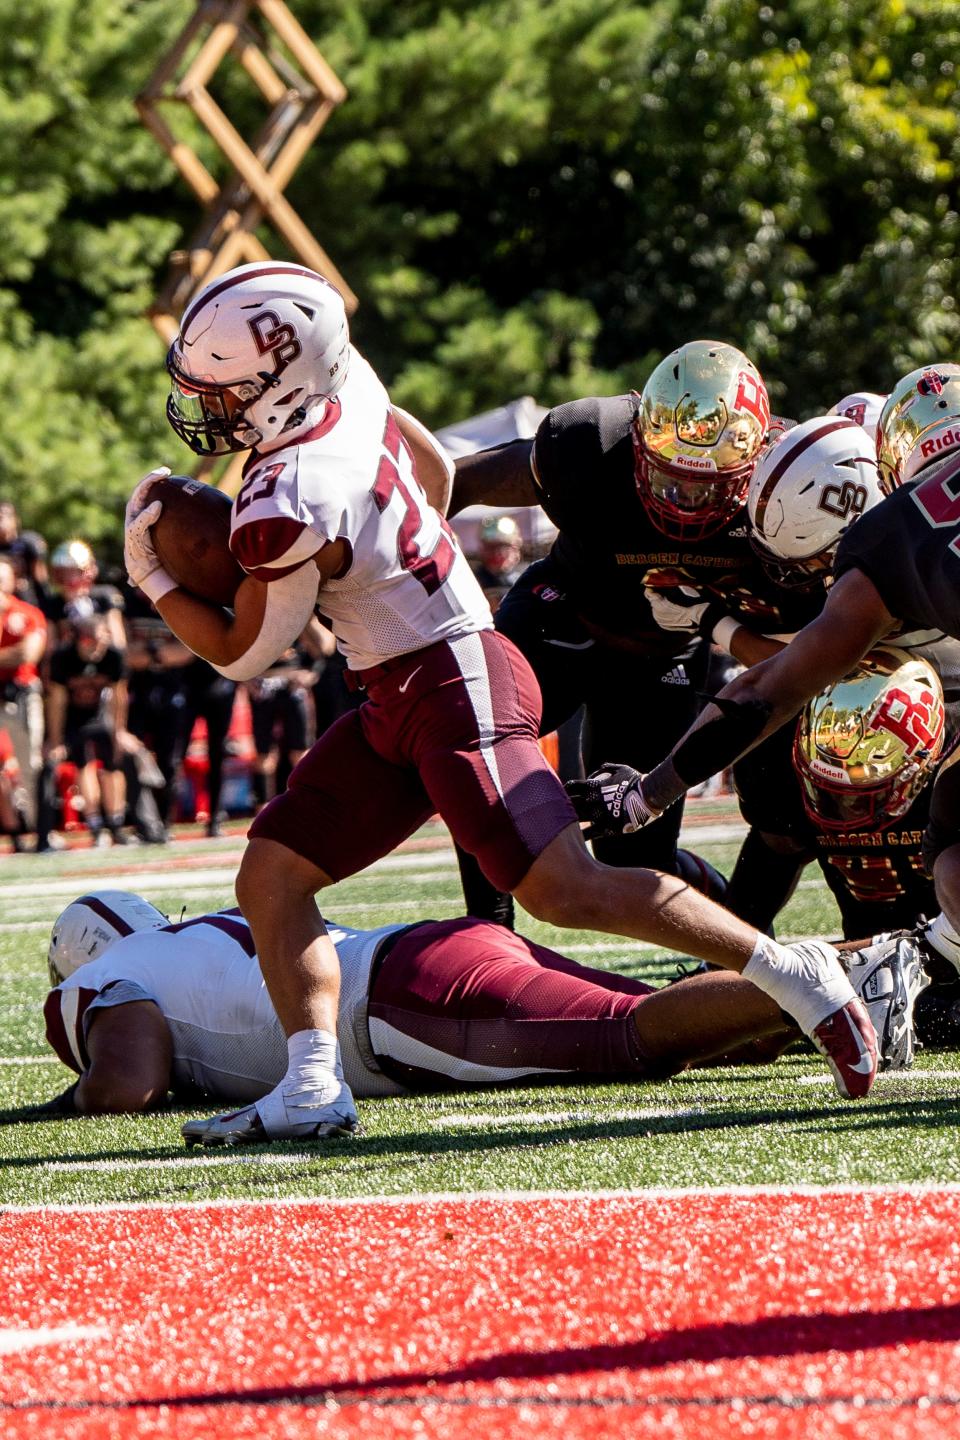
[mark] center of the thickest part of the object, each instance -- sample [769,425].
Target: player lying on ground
[142,1006]
[332,511]
[896,570]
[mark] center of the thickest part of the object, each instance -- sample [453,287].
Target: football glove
[611,801]
[139,556]
[682,610]
[140,498]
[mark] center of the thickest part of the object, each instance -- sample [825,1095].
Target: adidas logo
[742,532]
[676,676]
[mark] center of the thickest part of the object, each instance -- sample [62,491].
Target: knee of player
[561,899]
[271,878]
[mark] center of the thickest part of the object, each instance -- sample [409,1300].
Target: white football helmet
[702,419]
[863,406]
[919,423]
[806,490]
[259,350]
[90,925]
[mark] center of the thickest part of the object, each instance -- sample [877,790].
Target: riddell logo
[694,462]
[947,441]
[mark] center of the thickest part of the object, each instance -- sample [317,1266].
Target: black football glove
[611,801]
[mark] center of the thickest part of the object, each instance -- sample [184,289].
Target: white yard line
[468,1121]
[12,1342]
[642,1196]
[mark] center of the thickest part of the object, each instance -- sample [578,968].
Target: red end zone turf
[697,1314]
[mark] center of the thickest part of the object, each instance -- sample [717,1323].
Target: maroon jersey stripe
[236,929]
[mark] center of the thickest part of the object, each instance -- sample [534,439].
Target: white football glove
[141,559]
[140,498]
[679,609]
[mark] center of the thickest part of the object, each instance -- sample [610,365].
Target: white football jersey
[406,583]
[204,976]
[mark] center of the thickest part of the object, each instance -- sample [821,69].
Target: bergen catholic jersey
[909,547]
[405,583]
[204,976]
[608,547]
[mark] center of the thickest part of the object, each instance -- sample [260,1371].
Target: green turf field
[780,1124]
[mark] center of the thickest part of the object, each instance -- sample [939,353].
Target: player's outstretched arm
[130,1058]
[766,696]
[501,476]
[618,800]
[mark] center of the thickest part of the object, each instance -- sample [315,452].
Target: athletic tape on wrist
[157,584]
[724,631]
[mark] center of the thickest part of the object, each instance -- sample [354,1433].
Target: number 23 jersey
[405,582]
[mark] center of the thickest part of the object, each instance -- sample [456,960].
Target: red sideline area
[707,1313]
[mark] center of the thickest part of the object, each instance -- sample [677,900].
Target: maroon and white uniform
[443,1002]
[406,582]
[453,711]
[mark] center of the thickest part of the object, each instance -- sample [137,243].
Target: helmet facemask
[212,418]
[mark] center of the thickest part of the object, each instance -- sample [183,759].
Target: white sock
[800,978]
[944,939]
[314,1058]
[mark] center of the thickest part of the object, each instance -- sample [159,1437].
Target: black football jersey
[876,876]
[909,546]
[608,547]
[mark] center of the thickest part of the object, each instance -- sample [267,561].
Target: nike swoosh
[864,1066]
[406,682]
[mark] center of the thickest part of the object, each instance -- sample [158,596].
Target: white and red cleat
[848,1042]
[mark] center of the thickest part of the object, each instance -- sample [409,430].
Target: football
[192,536]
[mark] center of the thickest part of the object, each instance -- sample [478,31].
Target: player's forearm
[207,630]
[494,477]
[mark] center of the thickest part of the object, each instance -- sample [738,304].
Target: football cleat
[847,1041]
[888,977]
[274,1118]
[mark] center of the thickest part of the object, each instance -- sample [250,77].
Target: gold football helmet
[919,422]
[865,747]
[702,420]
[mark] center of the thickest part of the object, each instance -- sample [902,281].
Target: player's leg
[941,854]
[476,751]
[780,841]
[465,1002]
[539,620]
[343,809]
[567,887]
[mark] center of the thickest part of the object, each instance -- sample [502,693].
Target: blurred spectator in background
[23,639]
[86,723]
[73,576]
[11,791]
[499,561]
[331,698]
[155,661]
[204,692]
[27,552]
[281,710]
